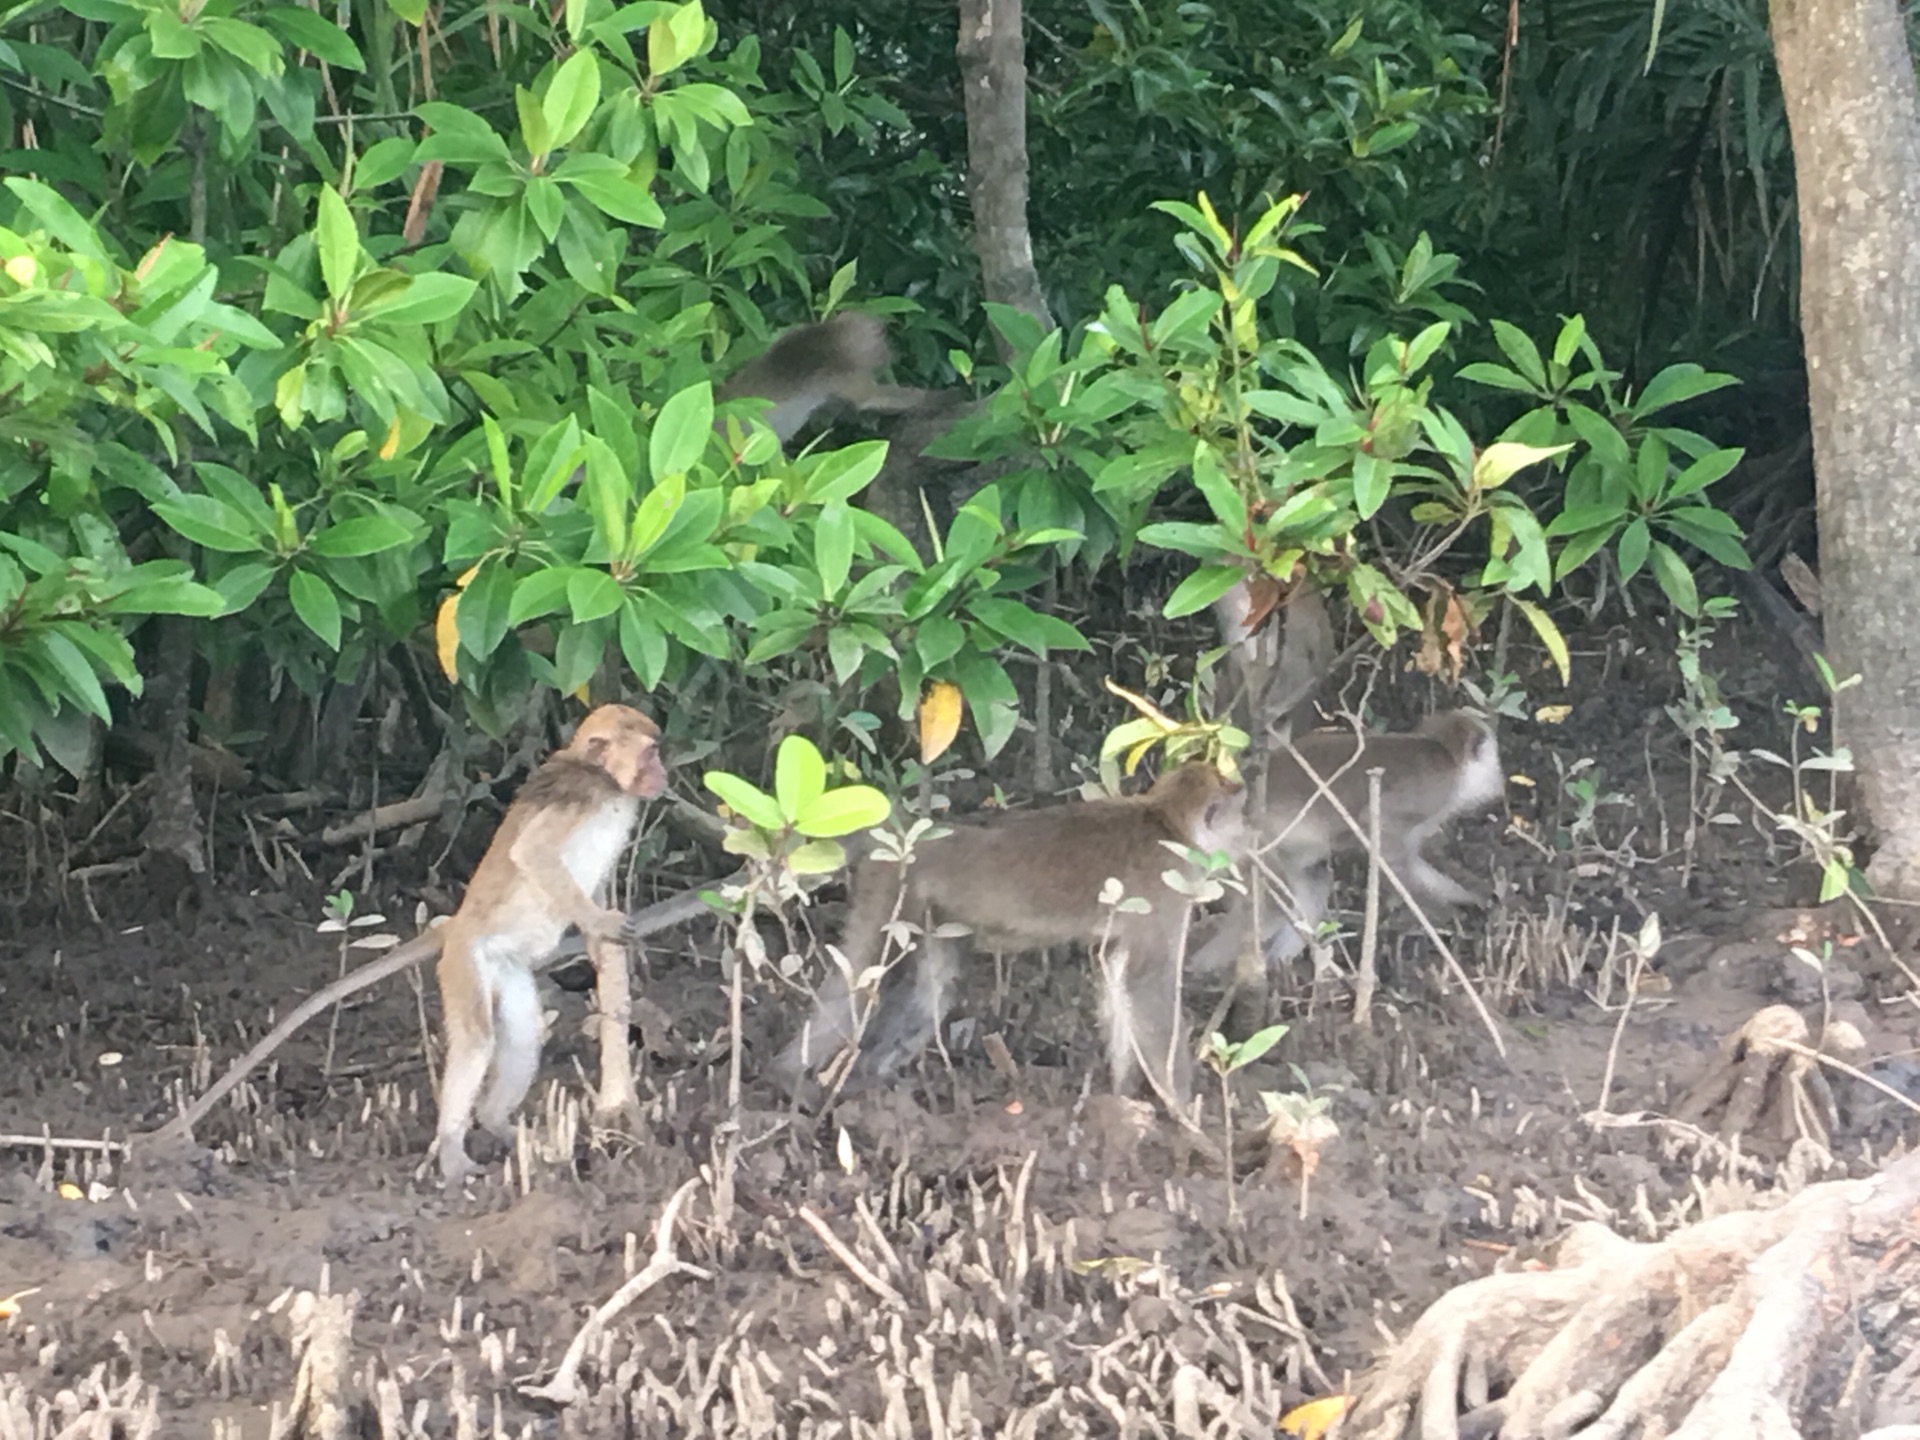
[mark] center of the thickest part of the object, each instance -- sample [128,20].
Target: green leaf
[1201,589]
[799,776]
[833,548]
[242,585]
[170,38]
[533,121]
[1603,437]
[593,594]
[1372,483]
[754,806]
[681,432]
[427,300]
[315,34]
[571,98]
[484,606]
[846,651]
[1631,552]
[338,242]
[843,474]
[63,222]
[1498,377]
[675,37]
[938,639]
[1674,577]
[458,135]
[206,522]
[625,200]
[1649,474]
[362,535]
[249,44]
[1016,622]
[81,683]
[1222,498]
[654,513]
[540,593]
[1517,347]
[1703,472]
[643,643]
[316,605]
[1257,1044]
[1676,385]
[843,811]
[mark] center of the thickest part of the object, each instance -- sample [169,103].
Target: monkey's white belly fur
[589,855]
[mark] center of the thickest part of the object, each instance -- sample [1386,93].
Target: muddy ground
[1011,1253]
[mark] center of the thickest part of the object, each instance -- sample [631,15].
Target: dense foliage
[388,335]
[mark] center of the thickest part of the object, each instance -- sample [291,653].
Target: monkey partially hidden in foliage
[1448,767]
[805,367]
[1021,881]
[547,869]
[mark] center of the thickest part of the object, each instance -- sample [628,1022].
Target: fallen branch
[661,916]
[564,1387]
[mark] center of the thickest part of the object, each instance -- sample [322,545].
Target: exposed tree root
[1719,1331]
[1767,1083]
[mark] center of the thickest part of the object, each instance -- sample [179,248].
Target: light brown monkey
[804,368]
[1447,767]
[1025,880]
[546,869]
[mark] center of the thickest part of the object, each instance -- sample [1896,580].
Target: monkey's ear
[597,750]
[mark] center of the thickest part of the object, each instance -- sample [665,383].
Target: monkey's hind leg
[913,1001]
[516,1048]
[469,1051]
[1145,1026]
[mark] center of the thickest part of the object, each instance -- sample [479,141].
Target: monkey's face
[624,743]
[1223,824]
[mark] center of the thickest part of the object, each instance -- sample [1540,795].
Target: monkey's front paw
[607,925]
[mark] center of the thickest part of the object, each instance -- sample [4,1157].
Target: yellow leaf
[446,632]
[10,1304]
[466,579]
[1552,714]
[1549,634]
[70,1191]
[390,446]
[939,719]
[1525,780]
[1310,1421]
[1145,706]
[22,270]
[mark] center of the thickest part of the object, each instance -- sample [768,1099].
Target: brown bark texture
[1848,82]
[993,73]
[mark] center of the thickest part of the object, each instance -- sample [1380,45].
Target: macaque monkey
[1275,663]
[547,869]
[1448,767]
[809,365]
[1021,881]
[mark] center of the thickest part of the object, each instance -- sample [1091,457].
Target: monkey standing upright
[1025,880]
[547,868]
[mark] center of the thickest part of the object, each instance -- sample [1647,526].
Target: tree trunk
[1848,82]
[993,74]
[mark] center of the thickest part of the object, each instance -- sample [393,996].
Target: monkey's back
[1034,876]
